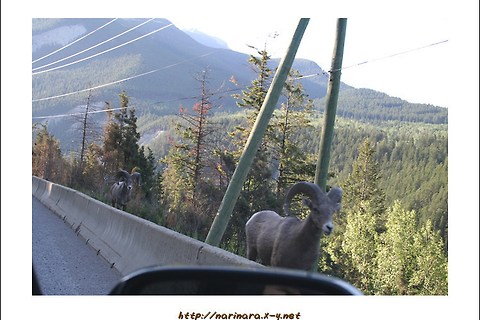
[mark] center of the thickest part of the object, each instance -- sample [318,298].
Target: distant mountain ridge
[157,71]
[206,39]
[176,56]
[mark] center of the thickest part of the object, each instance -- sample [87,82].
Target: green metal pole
[321,172]
[224,213]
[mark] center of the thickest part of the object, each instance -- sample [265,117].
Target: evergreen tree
[112,143]
[121,150]
[363,184]
[360,187]
[359,244]
[293,117]
[129,134]
[256,192]
[396,257]
[92,172]
[188,166]
[47,160]
[431,273]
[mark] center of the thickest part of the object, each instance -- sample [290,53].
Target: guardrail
[126,241]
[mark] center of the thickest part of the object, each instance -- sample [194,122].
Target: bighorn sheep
[121,191]
[289,242]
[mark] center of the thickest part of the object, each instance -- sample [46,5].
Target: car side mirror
[214,280]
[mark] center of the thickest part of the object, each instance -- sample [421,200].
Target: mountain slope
[175,56]
[158,74]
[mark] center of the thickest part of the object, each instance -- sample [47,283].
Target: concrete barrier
[126,241]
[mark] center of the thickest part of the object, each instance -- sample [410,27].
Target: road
[63,262]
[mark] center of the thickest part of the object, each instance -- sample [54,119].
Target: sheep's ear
[335,194]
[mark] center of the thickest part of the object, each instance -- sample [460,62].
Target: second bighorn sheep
[121,191]
[289,242]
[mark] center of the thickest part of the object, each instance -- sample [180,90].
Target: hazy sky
[418,76]
[375,30]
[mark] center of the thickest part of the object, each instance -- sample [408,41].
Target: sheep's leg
[251,253]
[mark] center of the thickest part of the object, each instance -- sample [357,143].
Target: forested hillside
[369,105]
[391,234]
[412,157]
[159,74]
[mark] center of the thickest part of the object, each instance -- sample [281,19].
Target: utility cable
[105,51]
[391,55]
[125,79]
[88,49]
[68,45]
[370,60]
[78,113]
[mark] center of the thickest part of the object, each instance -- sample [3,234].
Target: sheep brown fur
[121,191]
[289,242]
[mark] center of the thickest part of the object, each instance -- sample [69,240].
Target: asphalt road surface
[64,264]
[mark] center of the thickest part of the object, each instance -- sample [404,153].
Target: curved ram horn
[136,176]
[122,174]
[310,189]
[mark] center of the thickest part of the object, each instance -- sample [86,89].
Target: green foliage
[383,251]
[396,255]
[92,174]
[410,260]
[294,115]
[256,191]
[47,160]
[186,183]
[359,244]
[121,149]
[372,106]
[391,235]
[362,183]
[431,273]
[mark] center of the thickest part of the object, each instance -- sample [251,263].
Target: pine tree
[430,276]
[363,184]
[256,192]
[293,117]
[93,172]
[47,160]
[121,149]
[360,187]
[121,137]
[112,144]
[396,257]
[188,167]
[360,242]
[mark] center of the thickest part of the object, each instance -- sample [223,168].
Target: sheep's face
[323,208]
[126,184]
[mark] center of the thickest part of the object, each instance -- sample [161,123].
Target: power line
[114,109]
[371,60]
[187,60]
[99,44]
[391,55]
[123,80]
[105,51]
[312,75]
[78,113]
[68,45]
